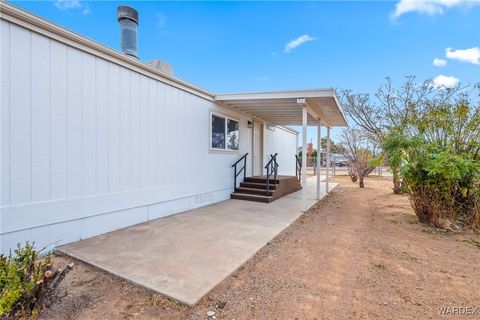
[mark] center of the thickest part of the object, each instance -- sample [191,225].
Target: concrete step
[251,197]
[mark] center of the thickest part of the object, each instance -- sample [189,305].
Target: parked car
[341,163]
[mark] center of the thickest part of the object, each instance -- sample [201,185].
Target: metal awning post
[328,159]
[319,149]
[304,150]
[304,147]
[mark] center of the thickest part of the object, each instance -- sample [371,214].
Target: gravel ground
[359,253]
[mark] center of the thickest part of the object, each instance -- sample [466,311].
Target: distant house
[94,140]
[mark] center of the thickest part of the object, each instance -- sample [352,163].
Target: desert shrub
[441,184]
[438,153]
[27,282]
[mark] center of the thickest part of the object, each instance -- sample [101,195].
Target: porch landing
[185,255]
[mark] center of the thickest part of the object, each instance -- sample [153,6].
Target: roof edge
[35,23]
[301,93]
[28,20]
[288,129]
[340,108]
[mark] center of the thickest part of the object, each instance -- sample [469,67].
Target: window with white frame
[225,133]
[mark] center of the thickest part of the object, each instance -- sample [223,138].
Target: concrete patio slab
[185,255]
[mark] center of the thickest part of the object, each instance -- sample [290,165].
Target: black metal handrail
[298,168]
[272,168]
[244,169]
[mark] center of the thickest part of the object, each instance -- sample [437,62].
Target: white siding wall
[88,146]
[283,142]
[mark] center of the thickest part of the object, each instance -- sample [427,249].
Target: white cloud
[67,4]
[471,55]
[439,62]
[161,20]
[261,78]
[72,5]
[297,42]
[429,7]
[86,10]
[442,81]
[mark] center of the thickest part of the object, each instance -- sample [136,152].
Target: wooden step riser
[260,180]
[257,186]
[254,188]
[256,191]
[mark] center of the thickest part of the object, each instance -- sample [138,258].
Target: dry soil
[358,254]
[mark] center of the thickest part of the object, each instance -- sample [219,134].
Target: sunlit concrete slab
[185,255]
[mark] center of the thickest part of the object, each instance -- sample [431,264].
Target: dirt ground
[358,254]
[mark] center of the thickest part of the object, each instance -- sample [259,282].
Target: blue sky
[243,46]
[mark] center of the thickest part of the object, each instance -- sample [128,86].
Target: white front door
[257,156]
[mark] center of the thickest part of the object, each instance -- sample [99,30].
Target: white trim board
[22,217]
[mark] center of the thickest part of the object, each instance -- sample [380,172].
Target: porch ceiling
[281,107]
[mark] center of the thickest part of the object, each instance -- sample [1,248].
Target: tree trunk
[396,182]
[352,174]
[360,182]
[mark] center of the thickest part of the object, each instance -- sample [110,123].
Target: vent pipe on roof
[128,19]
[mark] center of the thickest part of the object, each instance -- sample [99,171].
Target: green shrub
[438,153]
[27,282]
[442,184]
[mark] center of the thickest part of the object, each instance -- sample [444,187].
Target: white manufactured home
[94,140]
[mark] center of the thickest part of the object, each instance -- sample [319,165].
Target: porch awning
[283,107]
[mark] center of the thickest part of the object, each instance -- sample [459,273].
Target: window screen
[225,133]
[232,134]
[218,132]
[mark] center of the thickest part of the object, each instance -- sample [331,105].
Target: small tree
[352,173]
[390,109]
[361,154]
[334,147]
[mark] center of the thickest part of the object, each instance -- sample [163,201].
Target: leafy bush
[438,153]
[27,282]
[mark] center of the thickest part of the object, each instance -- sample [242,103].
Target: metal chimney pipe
[128,20]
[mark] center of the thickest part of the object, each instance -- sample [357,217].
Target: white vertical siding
[125,129]
[20,116]
[135,110]
[102,126]
[5,113]
[144,124]
[152,115]
[40,106]
[74,124]
[166,137]
[114,128]
[89,125]
[284,143]
[58,121]
[89,146]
